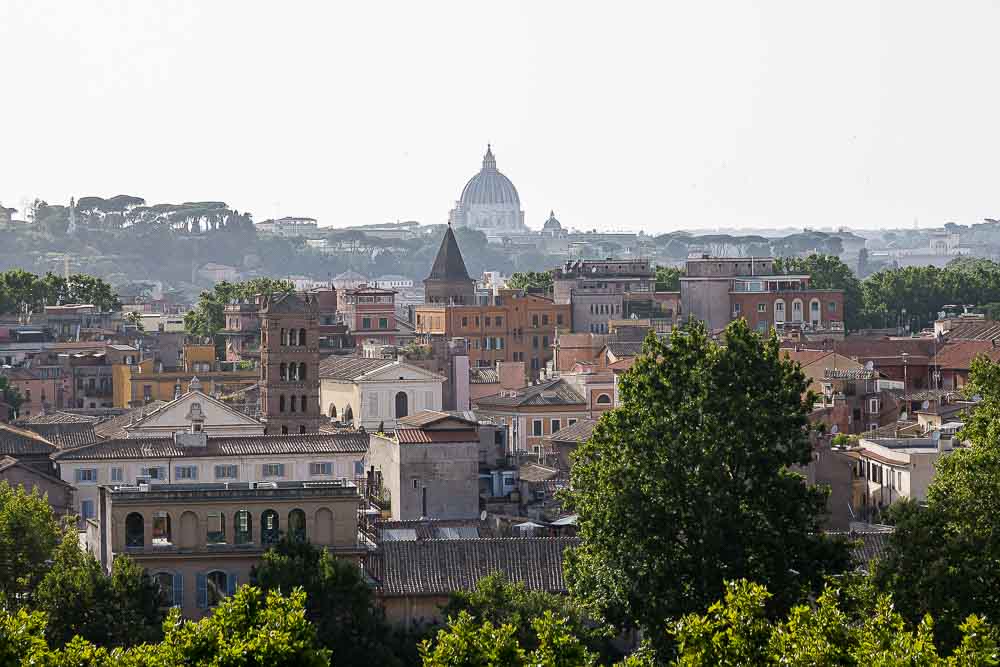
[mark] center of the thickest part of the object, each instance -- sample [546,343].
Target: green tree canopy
[339,601]
[29,534]
[668,279]
[531,280]
[688,482]
[208,318]
[80,598]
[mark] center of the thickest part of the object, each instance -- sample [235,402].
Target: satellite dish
[834,429]
[482,515]
[869,365]
[925,405]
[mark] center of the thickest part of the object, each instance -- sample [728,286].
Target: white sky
[655,115]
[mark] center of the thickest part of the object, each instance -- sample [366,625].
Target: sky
[653,116]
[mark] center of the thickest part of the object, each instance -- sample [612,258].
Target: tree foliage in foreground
[944,557]
[246,629]
[339,602]
[29,534]
[688,484]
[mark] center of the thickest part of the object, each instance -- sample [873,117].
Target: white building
[370,392]
[393,281]
[288,226]
[195,412]
[489,203]
[894,468]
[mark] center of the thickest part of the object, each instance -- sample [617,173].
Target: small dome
[489,186]
[552,225]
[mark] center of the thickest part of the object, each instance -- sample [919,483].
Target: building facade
[601,290]
[449,282]
[289,387]
[369,313]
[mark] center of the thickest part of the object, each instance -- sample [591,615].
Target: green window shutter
[178,589]
[202,591]
[231,584]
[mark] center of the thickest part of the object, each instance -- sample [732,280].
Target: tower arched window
[302,336]
[284,337]
[283,371]
[302,371]
[304,404]
[281,403]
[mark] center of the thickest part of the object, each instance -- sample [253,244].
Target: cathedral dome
[490,187]
[552,225]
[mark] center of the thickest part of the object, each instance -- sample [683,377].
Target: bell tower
[289,364]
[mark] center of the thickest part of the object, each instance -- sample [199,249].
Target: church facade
[489,202]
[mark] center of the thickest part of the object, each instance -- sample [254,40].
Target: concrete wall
[60,497]
[707,300]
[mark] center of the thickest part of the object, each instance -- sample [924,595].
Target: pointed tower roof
[449,265]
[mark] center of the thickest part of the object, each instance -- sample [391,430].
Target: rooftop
[440,567]
[351,368]
[253,445]
[17,442]
[578,432]
[552,392]
[232,491]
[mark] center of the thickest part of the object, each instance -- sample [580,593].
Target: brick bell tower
[289,363]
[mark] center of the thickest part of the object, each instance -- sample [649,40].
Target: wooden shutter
[231,584]
[178,589]
[202,587]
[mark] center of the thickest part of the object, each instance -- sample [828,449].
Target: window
[134,529]
[274,470]
[165,580]
[486,321]
[545,319]
[185,472]
[402,404]
[325,468]
[86,475]
[832,306]
[359,468]
[297,525]
[269,533]
[161,528]
[761,307]
[534,320]
[534,342]
[814,306]
[217,587]
[226,472]
[874,406]
[899,479]
[556,425]
[465,321]
[559,319]
[243,527]
[736,309]
[545,342]
[147,392]
[159,472]
[536,427]
[604,399]
[216,528]
[383,323]
[570,421]
[499,323]
[117,474]
[366,323]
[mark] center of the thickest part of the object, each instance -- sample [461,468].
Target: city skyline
[649,118]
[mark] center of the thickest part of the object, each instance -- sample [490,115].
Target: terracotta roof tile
[959,355]
[578,432]
[440,567]
[253,445]
[419,436]
[553,392]
[350,368]
[17,442]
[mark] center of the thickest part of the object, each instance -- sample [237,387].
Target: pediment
[396,372]
[177,414]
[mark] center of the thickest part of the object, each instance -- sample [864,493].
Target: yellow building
[138,384]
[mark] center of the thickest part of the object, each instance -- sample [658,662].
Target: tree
[668,279]
[687,483]
[29,534]
[120,609]
[531,280]
[208,317]
[828,272]
[944,558]
[10,394]
[135,319]
[468,642]
[503,603]
[339,601]
[247,629]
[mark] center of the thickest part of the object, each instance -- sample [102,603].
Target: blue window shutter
[76,474]
[194,474]
[231,584]
[178,589]
[202,592]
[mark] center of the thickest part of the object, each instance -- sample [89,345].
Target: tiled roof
[448,264]
[16,442]
[533,472]
[552,392]
[864,347]
[115,427]
[253,445]
[483,376]
[624,348]
[350,368]
[959,355]
[804,357]
[60,417]
[429,529]
[8,462]
[867,545]
[975,330]
[578,432]
[66,435]
[419,436]
[439,567]
[427,417]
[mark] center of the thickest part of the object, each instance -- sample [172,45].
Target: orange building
[515,327]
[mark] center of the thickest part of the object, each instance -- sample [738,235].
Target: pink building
[369,313]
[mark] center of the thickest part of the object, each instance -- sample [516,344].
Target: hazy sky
[655,116]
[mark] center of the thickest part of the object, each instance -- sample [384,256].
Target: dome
[552,225]
[489,186]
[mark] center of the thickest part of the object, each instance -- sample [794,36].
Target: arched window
[243,527]
[302,336]
[269,532]
[604,399]
[135,530]
[297,525]
[302,429]
[216,588]
[333,411]
[165,580]
[302,371]
[284,430]
[304,403]
[292,402]
[216,529]
[284,337]
[401,404]
[161,528]
[348,415]
[281,403]
[283,371]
